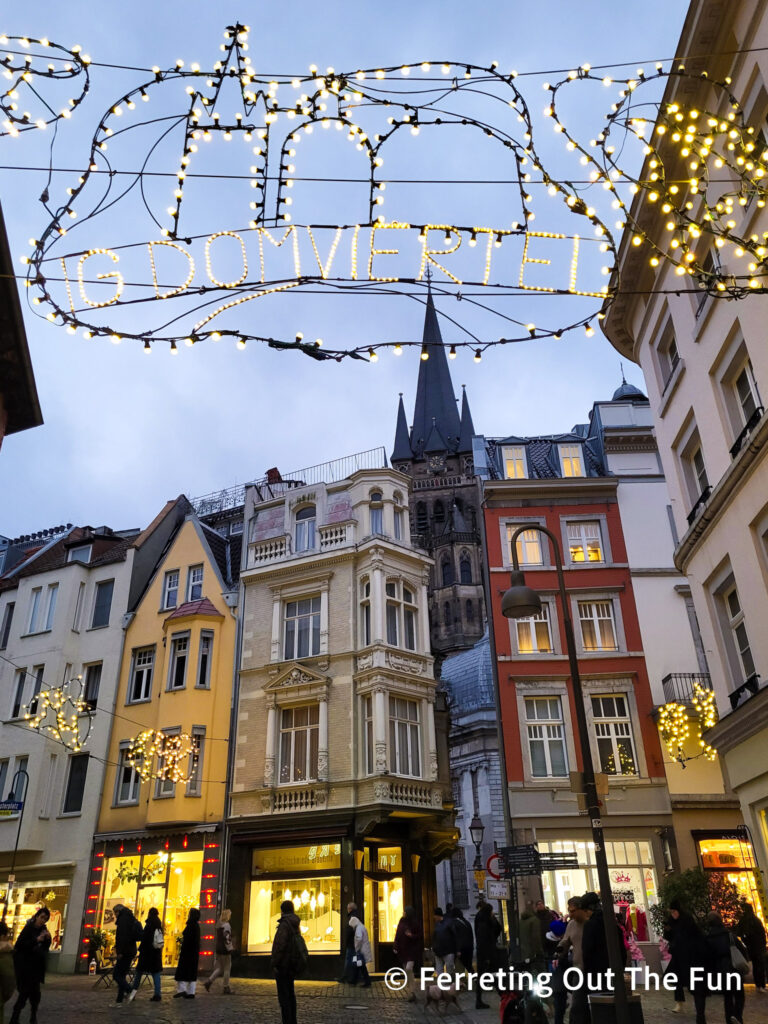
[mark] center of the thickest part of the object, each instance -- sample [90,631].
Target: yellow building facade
[159,839]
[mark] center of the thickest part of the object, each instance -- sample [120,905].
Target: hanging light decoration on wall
[62,713]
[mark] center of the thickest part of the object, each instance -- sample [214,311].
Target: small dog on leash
[441,998]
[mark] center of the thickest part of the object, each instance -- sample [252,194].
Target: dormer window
[82,553]
[514,463]
[570,460]
[305,528]
[377,512]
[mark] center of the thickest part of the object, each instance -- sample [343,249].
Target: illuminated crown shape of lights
[207,280]
[702,167]
[172,750]
[104,290]
[23,73]
[62,713]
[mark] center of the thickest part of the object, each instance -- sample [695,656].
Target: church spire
[402,449]
[467,427]
[435,401]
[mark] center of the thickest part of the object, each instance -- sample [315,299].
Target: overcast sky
[124,432]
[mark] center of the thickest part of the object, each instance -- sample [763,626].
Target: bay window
[404,737]
[401,615]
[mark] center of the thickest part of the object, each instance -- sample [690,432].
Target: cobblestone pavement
[73,1000]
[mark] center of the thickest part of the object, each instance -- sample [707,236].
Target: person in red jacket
[409,947]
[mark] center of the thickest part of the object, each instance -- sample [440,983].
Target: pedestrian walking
[150,955]
[224,949]
[465,939]
[687,949]
[409,948]
[289,959]
[751,932]
[594,945]
[7,977]
[29,956]
[349,946]
[363,954]
[487,931]
[531,947]
[443,943]
[723,975]
[570,946]
[545,917]
[128,933]
[189,954]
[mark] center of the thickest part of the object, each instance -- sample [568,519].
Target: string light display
[374,110]
[22,69]
[62,713]
[679,723]
[160,755]
[703,170]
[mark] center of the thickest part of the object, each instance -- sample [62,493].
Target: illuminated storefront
[28,897]
[631,869]
[731,854]
[170,874]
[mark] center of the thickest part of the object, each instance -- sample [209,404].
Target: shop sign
[497,890]
[322,857]
[10,807]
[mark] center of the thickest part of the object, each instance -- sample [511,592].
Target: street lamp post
[520,602]
[12,795]
[476,832]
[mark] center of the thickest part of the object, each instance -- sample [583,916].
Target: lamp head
[520,601]
[476,830]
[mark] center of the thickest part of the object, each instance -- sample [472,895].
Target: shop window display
[309,876]
[26,899]
[170,882]
[632,874]
[733,856]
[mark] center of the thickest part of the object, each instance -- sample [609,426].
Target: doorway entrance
[382,900]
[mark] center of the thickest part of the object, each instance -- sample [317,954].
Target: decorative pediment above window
[297,682]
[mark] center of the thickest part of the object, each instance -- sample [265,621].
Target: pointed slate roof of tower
[435,400]
[402,449]
[467,427]
[435,441]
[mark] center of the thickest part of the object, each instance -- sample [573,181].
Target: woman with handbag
[189,955]
[150,955]
[224,949]
[728,958]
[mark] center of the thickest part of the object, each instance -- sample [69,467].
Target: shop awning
[29,872]
[155,832]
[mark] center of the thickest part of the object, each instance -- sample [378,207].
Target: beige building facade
[706,368]
[340,786]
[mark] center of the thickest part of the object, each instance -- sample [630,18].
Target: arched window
[377,512]
[421,517]
[438,512]
[305,528]
[465,568]
[447,613]
[446,571]
[470,611]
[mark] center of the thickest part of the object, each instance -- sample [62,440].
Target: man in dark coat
[409,947]
[465,939]
[284,962]
[127,934]
[444,944]
[720,940]
[751,932]
[487,931]
[29,956]
[594,946]
[349,946]
[189,957]
[687,949]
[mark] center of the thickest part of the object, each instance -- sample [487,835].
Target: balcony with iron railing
[699,504]
[679,686]
[749,426]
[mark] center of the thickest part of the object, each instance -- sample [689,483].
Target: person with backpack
[465,940]
[189,955]
[289,959]
[128,933]
[444,943]
[150,955]
[363,954]
[224,949]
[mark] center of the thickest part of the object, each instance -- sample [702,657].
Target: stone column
[269,759]
[426,642]
[428,714]
[377,603]
[277,640]
[322,741]
[380,728]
